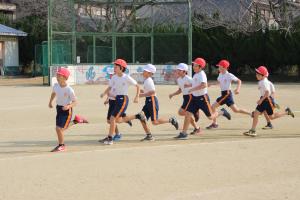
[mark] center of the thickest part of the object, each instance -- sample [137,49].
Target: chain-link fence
[99,31]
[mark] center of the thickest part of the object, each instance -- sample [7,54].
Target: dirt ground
[219,164]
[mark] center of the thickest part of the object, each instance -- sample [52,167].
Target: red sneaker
[59,148]
[79,119]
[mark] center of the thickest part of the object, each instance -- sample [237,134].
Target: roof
[8,31]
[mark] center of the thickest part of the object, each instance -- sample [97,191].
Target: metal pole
[190,35]
[49,39]
[152,36]
[133,49]
[74,59]
[94,49]
[114,39]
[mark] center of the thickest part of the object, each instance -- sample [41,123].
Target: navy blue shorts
[200,102]
[112,105]
[63,117]
[267,105]
[225,98]
[187,99]
[151,108]
[120,106]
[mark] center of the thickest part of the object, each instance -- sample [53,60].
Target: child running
[118,86]
[111,101]
[265,103]
[224,80]
[65,100]
[151,107]
[184,79]
[272,96]
[200,99]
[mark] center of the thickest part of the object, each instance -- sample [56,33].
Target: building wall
[11,55]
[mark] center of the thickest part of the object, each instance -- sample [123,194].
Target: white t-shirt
[225,80]
[263,86]
[119,85]
[64,95]
[182,81]
[112,95]
[272,87]
[197,80]
[149,85]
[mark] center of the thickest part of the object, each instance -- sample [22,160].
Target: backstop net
[87,35]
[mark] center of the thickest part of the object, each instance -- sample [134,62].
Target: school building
[9,49]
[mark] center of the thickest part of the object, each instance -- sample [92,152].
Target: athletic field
[219,164]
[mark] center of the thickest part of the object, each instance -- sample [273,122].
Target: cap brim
[258,72]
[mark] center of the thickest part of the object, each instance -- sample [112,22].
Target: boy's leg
[278,115]
[236,109]
[60,135]
[252,132]
[187,119]
[214,123]
[269,124]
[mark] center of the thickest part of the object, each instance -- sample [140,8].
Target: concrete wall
[98,74]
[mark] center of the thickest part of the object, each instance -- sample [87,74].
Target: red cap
[121,62]
[224,63]
[200,61]
[64,72]
[262,70]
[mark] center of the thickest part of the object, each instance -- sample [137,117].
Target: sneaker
[268,126]
[226,113]
[289,112]
[79,119]
[129,123]
[148,137]
[196,116]
[196,131]
[117,137]
[181,136]
[174,122]
[213,125]
[59,148]
[108,141]
[251,133]
[141,116]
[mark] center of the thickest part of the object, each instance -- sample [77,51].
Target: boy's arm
[147,94]
[267,93]
[105,92]
[71,105]
[106,101]
[51,99]
[175,93]
[238,87]
[199,87]
[213,83]
[136,98]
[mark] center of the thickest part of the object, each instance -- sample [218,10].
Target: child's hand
[187,85]
[101,95]
[236,91]
[259,102]
[50,105]
[170,96]
[66,107]
[106,102]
